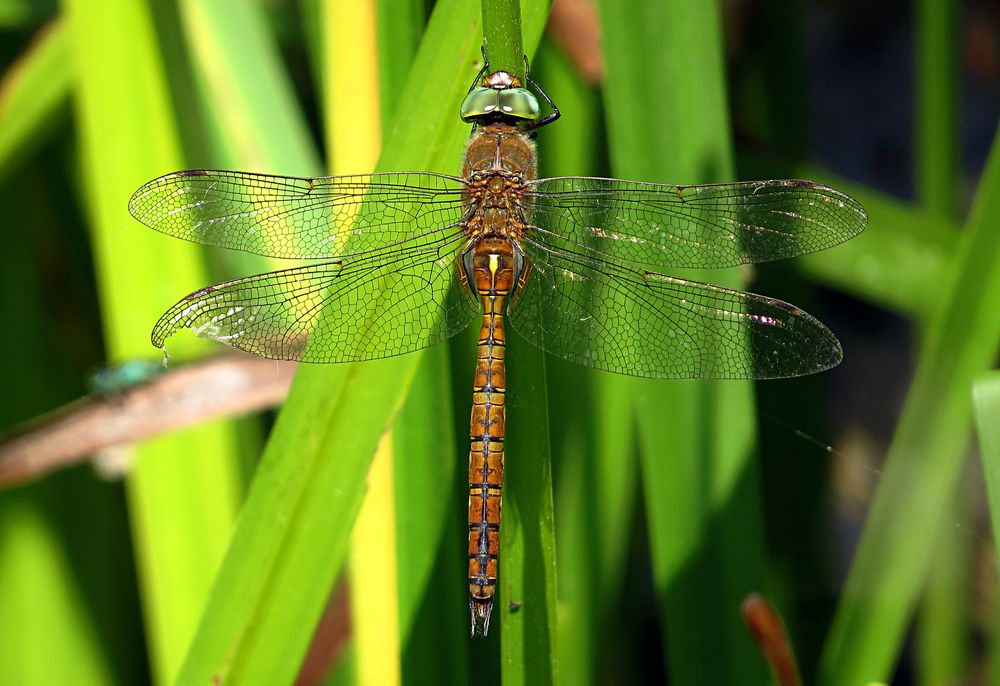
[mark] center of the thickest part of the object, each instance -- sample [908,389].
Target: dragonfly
[400,261]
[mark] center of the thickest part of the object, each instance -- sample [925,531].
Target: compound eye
[519,104]
[481,102]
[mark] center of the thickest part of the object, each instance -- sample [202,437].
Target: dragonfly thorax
[499,163]
[500,148]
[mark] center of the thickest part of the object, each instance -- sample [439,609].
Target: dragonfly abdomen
[493,271]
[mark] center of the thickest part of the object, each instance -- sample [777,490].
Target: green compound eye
[519,103]
[479,103]
[489,103]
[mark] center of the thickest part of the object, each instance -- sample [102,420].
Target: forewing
[291,217]
[364,308]
[659,226]
[629,321]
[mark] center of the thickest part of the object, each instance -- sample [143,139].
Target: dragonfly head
[500,98]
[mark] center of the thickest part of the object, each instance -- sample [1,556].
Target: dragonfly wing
[606,315]
[313,218]
[363,308]
[718,225]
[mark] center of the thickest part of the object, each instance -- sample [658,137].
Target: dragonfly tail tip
[480,610]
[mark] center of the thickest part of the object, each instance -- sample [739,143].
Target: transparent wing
[363,308]
[610,316]
[719,225]
[313,218]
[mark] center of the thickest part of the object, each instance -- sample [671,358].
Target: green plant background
[638,514]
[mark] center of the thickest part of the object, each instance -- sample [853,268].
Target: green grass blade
[593,434]
[942,638]
[425,452]
[925,457]
[400,24]
[248,98]
[33,92]
[352,132]
[372,570]
[526,607]
[46,633]
[936,107]
[292,534]
[427,457]
[697,439]
[352,125]
[430,479]
[502,38]
[986,406]
[184,489]
[596,504]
